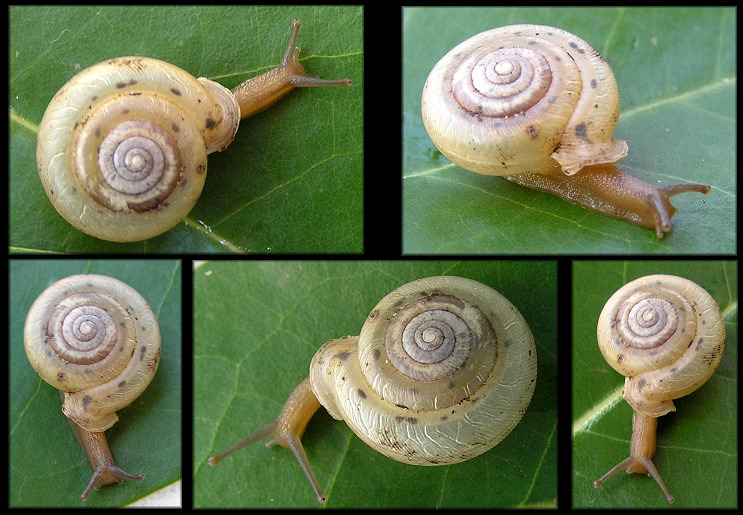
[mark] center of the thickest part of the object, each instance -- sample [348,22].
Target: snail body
[666,335]
[122,147]
[96,340]
[443,369]
[538,105]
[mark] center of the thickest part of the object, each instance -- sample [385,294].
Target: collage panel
[669,327]
[514,140]
[258,324]
[158,140]
[107,333]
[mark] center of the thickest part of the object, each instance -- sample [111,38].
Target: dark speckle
[581,132]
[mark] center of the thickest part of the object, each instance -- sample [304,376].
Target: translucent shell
[666,335]
[96,339]
[443,370]
[122,146]
[520,99]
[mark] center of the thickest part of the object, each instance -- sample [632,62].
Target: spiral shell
[444,369]
[97,340]
[122,146]
[666,335]
[523,98]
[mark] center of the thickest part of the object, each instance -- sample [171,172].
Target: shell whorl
[521,99]
[442,371]
[122,147]
[96,339]
[666,335]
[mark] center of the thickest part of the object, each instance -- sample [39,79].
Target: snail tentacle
[259,93]
[286,431]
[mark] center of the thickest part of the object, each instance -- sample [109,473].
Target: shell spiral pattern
[444,369]
[523,98]
[666,335]
[97,340]
[122,146]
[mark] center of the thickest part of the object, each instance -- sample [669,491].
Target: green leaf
[257,326]
[697,448]
[292,179]
[47,466]
[677,79]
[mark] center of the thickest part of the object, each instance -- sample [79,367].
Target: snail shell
[122,146]
[443,370]
[516,99]
[666,335]
[96,339]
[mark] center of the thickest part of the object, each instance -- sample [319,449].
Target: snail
[443,369]
[96,340]
[538,105]
[122,147]
[666,335]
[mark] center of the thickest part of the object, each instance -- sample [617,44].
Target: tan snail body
[666,335]
[443,370]
[538,105]
[122,147]
[96,340]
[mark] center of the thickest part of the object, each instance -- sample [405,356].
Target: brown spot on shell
[581,130]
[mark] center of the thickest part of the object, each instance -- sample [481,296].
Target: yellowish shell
[96,339]
[666,335]
[122,146]
[443,370]
[523,98]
